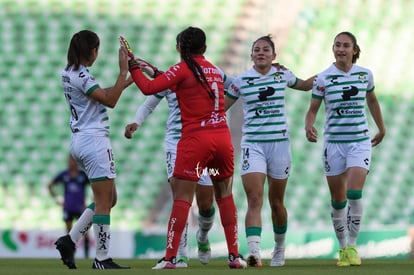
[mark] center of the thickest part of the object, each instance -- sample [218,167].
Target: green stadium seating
[34,130]
[35,134]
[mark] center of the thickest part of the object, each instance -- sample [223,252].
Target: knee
[277,204]
[205,205]
[255,201]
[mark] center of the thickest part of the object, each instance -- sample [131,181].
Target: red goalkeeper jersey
[199,111]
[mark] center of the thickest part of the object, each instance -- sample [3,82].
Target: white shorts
[94,155]
[170,156]
[338,157]
[273,159]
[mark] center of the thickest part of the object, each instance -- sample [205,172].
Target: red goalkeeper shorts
[211,149]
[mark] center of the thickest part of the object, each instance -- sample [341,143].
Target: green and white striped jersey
[263,99]
[88,116]
[173,126]
[344,96]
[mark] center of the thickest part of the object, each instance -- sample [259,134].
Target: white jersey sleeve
[227,79]
[149,105]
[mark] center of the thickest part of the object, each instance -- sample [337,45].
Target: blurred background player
[74,182]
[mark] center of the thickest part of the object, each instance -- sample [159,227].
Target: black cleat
[67,250]
[107,264]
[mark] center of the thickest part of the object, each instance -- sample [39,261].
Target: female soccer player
[265,143]
[344,87]
[90,145]
[204,190]
[205,140]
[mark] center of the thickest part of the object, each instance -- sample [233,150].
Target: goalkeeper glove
[147,67]
[135,63]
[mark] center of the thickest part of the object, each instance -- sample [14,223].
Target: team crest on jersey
[278,77]
[362,77]
[320,89]
[245,165]
[234,88]
[169,168]
[327,166]
[112,167]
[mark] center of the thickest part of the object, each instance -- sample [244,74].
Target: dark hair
[267,38]
[354,41]
[192,41]
[80,47]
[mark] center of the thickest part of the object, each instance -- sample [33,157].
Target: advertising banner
[40,244]
[151,245]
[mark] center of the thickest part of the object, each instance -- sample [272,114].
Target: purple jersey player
[74,183]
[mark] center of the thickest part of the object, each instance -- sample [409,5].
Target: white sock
[280,240]
[254,244]
[339,217]
[183,248]
[102,237]
[355,211]
[204,225]
[82,225]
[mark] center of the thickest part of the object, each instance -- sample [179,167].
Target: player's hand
[125,44]
[130,129]
[123,60]
[311,134]
[148,68]
[377,139]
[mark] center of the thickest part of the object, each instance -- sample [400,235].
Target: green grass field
[292,267]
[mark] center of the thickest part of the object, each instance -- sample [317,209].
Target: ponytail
[81,47]
[192,41]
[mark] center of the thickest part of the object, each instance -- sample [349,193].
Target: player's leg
[253,184]
[357,176]
[83,224]
[65,245]
[358,161]
[279,164]
[170,150]
[86,245]
[68,223]
[105,197]
[77,216]
[337,189]
[223,164]
[206,211]
[183,196]
[182,253]
[228,217]
[334,163]
[276,195]
[253,173]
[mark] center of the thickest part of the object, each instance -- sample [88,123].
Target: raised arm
[110,96]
